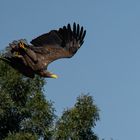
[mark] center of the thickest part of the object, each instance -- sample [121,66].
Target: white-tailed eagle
[34,59]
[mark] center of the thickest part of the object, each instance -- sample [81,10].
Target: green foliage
[23,107]
[21,136]
[25,114]
[77,123]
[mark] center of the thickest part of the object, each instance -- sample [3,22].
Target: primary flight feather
[34,59]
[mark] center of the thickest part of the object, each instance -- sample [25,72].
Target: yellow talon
[17,54]
[21,45]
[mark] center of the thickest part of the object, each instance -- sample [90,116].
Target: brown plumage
[34,59]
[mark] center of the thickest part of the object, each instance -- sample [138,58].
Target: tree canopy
[27,114]
[78,121]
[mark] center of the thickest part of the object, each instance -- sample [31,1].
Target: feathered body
[34,59]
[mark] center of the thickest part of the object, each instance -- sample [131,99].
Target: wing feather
[56,44]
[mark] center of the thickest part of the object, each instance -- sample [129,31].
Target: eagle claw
[17,54]
[22,46]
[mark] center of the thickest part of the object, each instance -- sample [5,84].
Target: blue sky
[107,66]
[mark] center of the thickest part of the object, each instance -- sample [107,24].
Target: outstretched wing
[62,43]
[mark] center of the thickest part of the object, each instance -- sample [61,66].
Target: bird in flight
[32,59]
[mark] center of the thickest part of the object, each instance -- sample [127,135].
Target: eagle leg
[28,51]
[22,46]
[17,54]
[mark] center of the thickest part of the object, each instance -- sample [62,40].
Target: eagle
[34,58]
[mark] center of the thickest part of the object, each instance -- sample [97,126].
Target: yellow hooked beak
[54,76]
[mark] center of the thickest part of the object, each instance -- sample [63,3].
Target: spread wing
[56,44]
